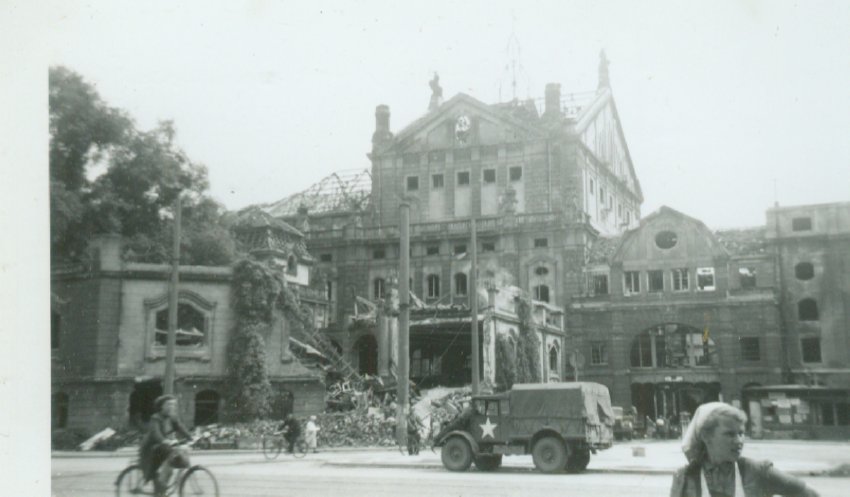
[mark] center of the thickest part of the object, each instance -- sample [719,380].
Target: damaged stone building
[664,311]
[109,322]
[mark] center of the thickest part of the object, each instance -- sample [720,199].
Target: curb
[66,454]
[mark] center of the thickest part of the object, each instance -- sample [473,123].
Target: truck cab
[559,424]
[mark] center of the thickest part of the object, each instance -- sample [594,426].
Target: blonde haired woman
[712,444]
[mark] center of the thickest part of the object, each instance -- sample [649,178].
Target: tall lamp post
[172,300]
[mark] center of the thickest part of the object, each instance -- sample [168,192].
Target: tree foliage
[144,172]
[250,388]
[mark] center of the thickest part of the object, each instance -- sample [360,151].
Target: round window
[666,239]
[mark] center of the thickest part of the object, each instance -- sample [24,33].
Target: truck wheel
[488,462]
[549,455]
[456,454]
[578,460]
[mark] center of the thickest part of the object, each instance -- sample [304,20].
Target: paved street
[377,473]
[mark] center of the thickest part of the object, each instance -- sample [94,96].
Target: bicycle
[196,480]
[273,445]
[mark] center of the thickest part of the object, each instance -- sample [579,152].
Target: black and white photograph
[260,248]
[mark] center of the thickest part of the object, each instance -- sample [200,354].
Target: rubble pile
[372,427]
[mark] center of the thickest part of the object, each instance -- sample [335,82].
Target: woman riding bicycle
[157,454]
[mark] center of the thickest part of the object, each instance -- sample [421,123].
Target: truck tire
[456,454]
[578,460]
[549,455]
[488,462]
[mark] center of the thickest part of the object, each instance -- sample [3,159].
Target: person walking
[311,434]
[712,445]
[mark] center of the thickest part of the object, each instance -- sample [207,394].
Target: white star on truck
[487,429]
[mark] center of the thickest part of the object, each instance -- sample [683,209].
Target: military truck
[559,424]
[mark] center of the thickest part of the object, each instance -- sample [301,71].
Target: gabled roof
[497,112]
[717,247]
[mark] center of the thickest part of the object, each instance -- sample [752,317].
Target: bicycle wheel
[131,481]
[300,448]
[272,447]
[198,480]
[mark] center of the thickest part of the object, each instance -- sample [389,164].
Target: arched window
[191,326]
[60,410]
[433,286]
[207,404]
[379,288]
[541,293]
[553,357]
[807,310]
[804,271]
[460,284]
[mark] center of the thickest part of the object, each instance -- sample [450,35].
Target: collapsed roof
[342,191]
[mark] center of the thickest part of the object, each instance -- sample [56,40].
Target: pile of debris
[356,429]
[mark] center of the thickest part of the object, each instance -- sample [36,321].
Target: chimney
[382,125]
[553,99]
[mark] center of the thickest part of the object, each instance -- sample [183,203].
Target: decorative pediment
[669,234]
[464,121]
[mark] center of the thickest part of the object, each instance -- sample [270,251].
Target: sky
[727,107]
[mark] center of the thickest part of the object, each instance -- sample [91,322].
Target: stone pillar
[382,324]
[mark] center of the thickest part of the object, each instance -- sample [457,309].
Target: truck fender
[472,443]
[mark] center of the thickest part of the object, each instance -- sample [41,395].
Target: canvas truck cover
[563,400]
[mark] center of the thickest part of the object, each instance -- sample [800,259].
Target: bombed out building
[665,311]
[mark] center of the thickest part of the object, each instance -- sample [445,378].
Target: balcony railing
[484,225]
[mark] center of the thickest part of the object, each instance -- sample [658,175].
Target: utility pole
[404,323]
[172,300]
[473,303]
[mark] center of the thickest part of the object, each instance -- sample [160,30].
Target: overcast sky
[718,99]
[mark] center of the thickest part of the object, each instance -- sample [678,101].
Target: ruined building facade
[663,310]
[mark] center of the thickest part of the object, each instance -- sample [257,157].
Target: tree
[145,170]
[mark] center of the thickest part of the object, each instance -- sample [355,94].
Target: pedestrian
[311,432]
[712,444]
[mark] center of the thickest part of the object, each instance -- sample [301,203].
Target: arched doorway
[367,354]
[142,402]
[207,405]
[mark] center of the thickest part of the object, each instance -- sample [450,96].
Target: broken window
[378,288]
[379,253]
[459,249]
[631,282]
[750,349]
[804,271]
[463,178]
[437,181]
[807,310]
[489,176]
[541,293]
[747,277]
[801,224]
[810,347]
[541,242]
[515,173]
[432,250]
[705,279]
[191,327]
[460,284]
[433,286]
[656,280]
[666,239]
[600,284]
[680,279]
[598,353]
[412,183]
